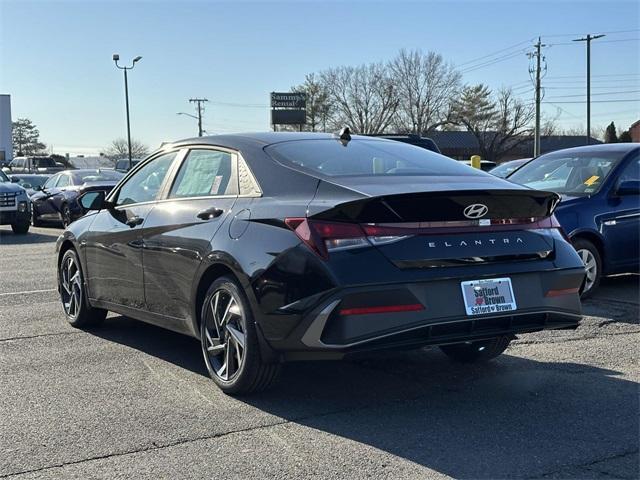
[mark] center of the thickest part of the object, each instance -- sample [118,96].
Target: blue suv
[600,207]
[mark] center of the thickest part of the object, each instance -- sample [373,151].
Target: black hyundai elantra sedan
[273,247]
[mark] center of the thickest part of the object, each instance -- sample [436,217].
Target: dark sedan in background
[289,246]
[29,181]
[600,207]
[57,199]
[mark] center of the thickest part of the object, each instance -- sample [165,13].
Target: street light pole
[116,57]
[588,39]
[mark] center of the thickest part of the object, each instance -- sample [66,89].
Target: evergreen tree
[610,135]
[625,137]
[26,138]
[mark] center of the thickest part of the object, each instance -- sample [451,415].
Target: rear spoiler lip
[320,209]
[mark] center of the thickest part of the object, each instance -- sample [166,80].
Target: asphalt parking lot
[133,401]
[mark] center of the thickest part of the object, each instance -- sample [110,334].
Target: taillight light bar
[324,236]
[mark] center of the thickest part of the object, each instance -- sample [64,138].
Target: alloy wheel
[591,266]
[71,283]
[225,335]
[66,216]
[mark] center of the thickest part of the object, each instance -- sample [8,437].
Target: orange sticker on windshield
[590,181]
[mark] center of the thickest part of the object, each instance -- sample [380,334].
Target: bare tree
[318,106]
[597,132]
[119,149]
[425,85]
[500,122]
[363,97]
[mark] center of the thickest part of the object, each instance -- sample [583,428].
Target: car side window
[631,171]
[205,173]
[145,184]
[51,183]
[63,181]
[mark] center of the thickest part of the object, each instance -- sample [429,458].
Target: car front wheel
[21,227]
[229,341]
[478,351]
[72,294]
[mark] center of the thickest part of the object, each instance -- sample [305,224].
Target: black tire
[65,215]
[76,307]
[35,220]
[221,337]
[20,228]
[590,255]
[478,351]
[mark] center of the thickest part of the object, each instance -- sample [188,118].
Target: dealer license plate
[493,295]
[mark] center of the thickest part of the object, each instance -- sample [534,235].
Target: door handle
[209,213]
[134,221]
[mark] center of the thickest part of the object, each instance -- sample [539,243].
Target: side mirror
[14,180]
[628,187]
[93,200]
[38,188]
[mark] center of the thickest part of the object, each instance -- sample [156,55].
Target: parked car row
[599,187]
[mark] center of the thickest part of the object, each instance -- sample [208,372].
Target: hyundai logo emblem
[477,210]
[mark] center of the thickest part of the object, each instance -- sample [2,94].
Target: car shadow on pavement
[7,237]
[514,417]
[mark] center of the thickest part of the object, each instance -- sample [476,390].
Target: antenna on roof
[345,136]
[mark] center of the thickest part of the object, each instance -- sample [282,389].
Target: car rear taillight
[324,237]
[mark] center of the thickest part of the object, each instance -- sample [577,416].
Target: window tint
[205,173]
[145,184]
[328,157]
[63,181]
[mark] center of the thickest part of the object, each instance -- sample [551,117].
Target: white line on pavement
[28,291]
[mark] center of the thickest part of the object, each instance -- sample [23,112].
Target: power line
[494,53]
[494,61]
[599,93]
[604,101]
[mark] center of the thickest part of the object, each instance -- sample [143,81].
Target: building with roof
[461,145]
[634,130]
[6,141]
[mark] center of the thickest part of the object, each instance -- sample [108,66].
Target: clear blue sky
[55,57]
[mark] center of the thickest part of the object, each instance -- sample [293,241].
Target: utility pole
[538,56]
[200,110]
[588,39]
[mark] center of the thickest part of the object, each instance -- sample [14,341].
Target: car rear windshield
[31,180]
[44,162]
[571,173]
[360,157]
[97,176]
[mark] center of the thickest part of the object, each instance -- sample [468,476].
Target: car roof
[262,139]
[602,147]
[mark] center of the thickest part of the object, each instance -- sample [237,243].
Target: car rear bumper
[545,300]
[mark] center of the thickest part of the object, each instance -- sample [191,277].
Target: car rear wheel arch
[210,275]
[595,240]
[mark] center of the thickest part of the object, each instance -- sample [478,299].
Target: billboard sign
[288,108]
